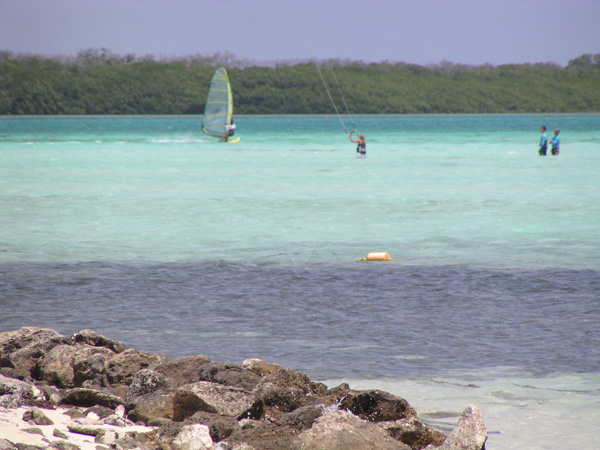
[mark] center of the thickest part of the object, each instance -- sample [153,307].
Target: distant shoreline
[98,82]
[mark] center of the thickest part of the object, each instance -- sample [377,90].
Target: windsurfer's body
[229,131]
[361,148]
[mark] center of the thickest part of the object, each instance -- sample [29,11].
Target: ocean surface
[149,232]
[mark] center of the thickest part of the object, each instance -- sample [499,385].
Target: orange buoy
[378,256]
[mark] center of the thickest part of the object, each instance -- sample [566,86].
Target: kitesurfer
[361,148]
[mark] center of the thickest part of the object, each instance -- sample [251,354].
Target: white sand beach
[16,430]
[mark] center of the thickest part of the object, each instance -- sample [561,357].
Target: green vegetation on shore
[99,82]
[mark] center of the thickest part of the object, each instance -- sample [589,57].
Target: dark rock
[22,349]
[152,406]
[17,374]
[62,445]
[255,412]
[340,430]
[302,418]
[57,366]
[86,429]
[212,398]
[101,411]
[376,406]
[14,393]
[91,397]
[288,378]
[146,440]
[123,366]
[414,433]
[220,427]
[180,371]
[186,404]
[169,430]
[159,422]
[68,366]
[90,367]
[146,381]
[263,435]
[94,339]
[37,416]
[7,445]
[279,399]
[339,391]
[274,435]
[22,446]
[128,442]
[75,413]
[287,390]
[33,430]
[59,434]
[227,374]
[53,394]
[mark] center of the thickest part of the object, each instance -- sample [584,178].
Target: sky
[424,32]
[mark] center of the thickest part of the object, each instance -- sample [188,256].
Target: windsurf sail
[219,105]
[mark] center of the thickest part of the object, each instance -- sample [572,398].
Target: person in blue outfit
[555,142]
[543,142]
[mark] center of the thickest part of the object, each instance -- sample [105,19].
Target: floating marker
[379,256]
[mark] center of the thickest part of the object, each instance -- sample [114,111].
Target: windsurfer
[229,131]
[361,148]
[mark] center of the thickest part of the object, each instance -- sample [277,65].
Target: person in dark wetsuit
[543,142]
[361,148]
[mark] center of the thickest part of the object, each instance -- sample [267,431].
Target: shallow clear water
[147,231]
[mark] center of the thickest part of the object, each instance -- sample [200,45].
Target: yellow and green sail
[219,105]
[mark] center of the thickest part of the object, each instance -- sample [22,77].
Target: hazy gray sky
[413,31]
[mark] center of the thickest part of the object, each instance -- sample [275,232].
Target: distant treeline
[100,82]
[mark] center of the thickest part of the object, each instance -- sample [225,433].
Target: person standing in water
[361,148]
[555,142]
[543,142]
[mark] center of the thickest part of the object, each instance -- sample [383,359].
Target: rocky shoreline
[89,392]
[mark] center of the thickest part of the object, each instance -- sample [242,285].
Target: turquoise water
[433,190]
[149,232]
